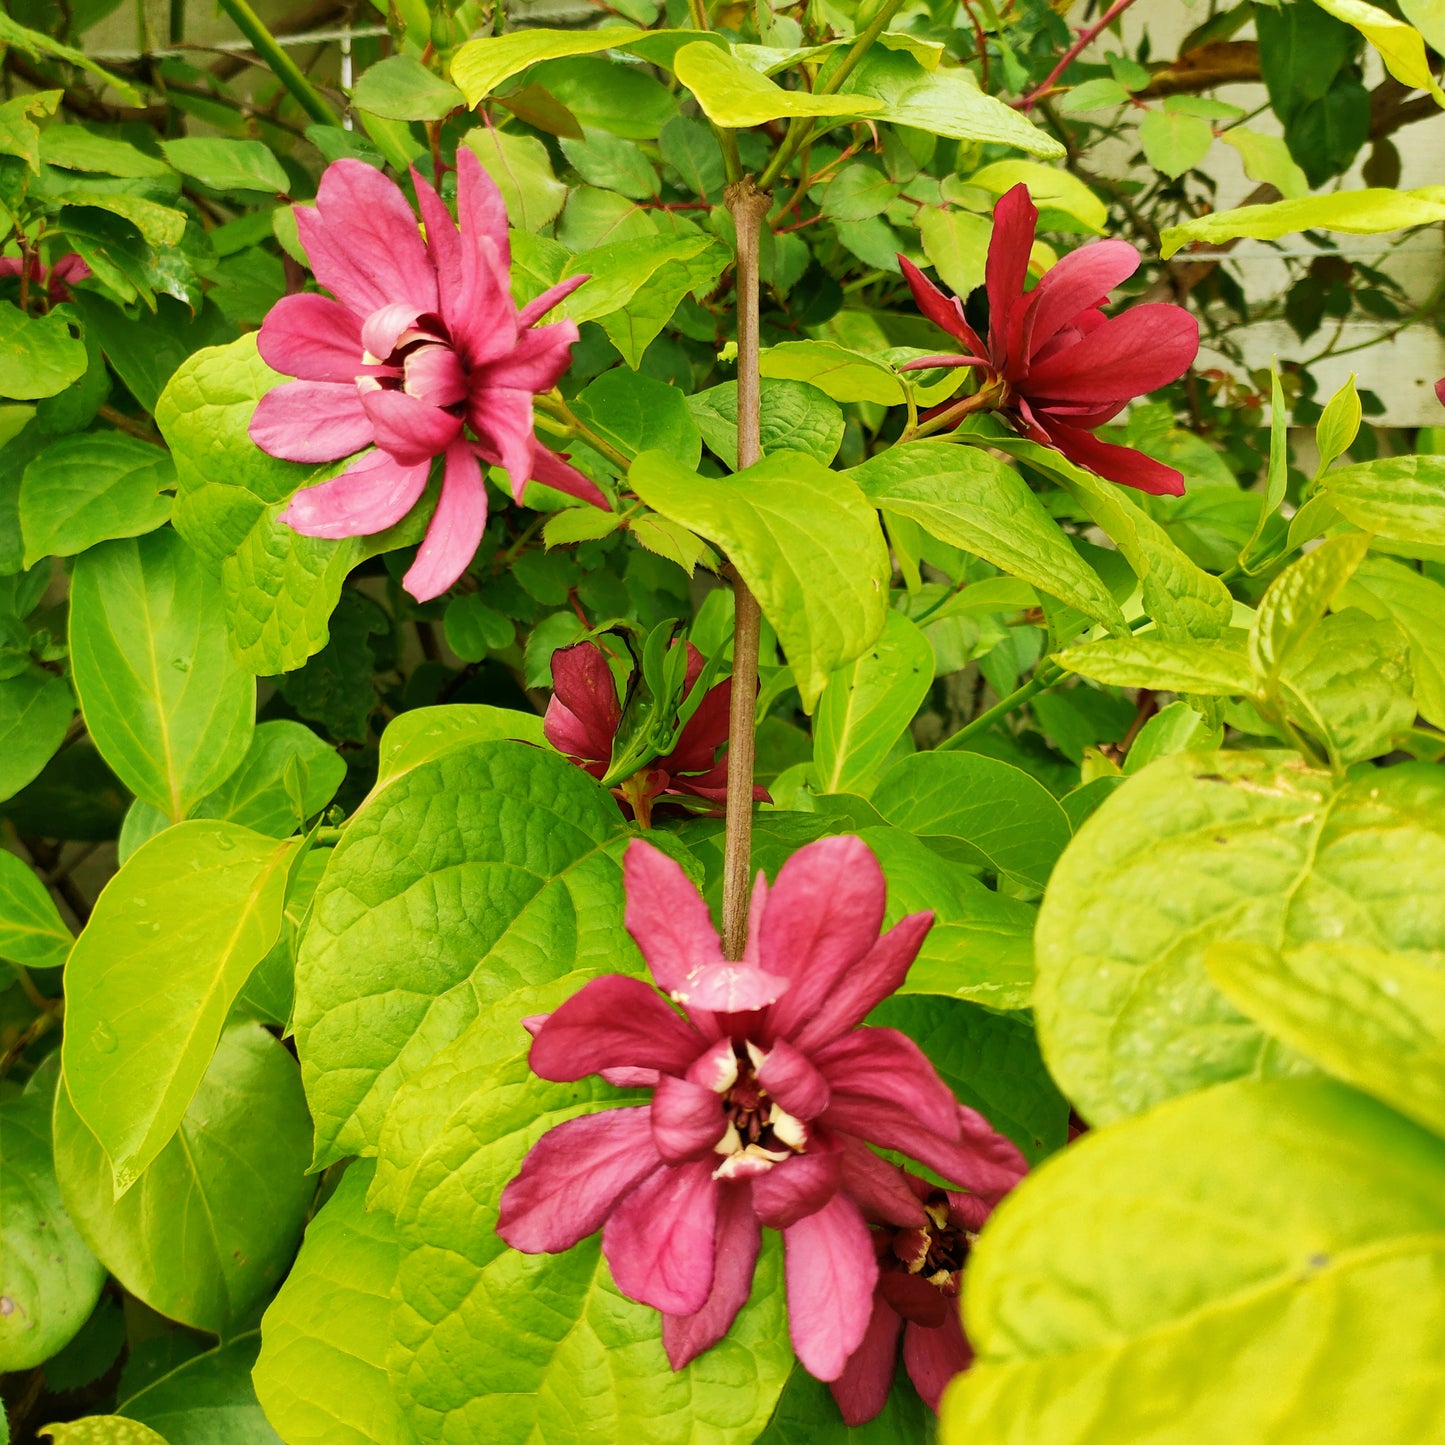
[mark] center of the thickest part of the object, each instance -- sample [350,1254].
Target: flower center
[936,1251]
[758,1132]
[421,362]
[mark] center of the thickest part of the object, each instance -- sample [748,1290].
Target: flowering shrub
[890,894]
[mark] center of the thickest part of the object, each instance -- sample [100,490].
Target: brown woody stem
[749,208]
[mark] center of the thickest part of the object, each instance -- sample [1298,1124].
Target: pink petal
[535,310]
[1014,220]
[887,1066]
[455,529]
[867,984]
[613,1022]
[797,1187]
[736,1245]
[831,1273]
[311,421]
[626,1078]
[311,337]
[789,1076]
[951,1158]
[409,429]
[552,471]
[483,317]
[572,1179]
[757,907]
[1124,465]
[660,1240]
[666,916]
[536,363]
[925,363]
[481,211]
[822,919]
[433,374]
[879,1188]
[687,1119]
[729,988]
[384,328]
[946,312]
[584,712]
[502,422]
[997,1164]
[368,497]
[1128,355]
[1075,284]
[861,1391]
[444,246]
[363,243]
[1440,391]
[934,1356]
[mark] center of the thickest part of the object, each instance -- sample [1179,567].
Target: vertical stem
[749,208]
[1085,39]
[281,65]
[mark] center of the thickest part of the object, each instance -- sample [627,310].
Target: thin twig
[1086,38]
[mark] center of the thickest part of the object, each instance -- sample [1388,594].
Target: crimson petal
[455,530]
[609,1023]
[1075,284]
[584,712]
[861,1391]
[311,421]
[687,1119]
[883,1066]
[831,1273]
[311,337]
[410,429]
[737,1242]
[946,312]
[661,1239]
[1132,353]
[1014,220]
[1125,465]
[797,1187]
[934,1356]
[789,1076]
[666,916]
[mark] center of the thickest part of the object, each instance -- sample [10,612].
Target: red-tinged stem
[749,208]
[1086,38]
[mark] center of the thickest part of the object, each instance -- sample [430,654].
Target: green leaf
[522,841]
[164,700]
[322,1371]
[1428,17]
[228,165]
[418,736]
[956,242]
[1401,46]
[978,811]
[857,192]
[691,149]
[402,88]
[1052,189]
[1203,668]
[90,488]
[206,1400]
[1338,426]
[481,65]
[1172,729]
[36,710]
[805,541]
[613,164]
[210,1227]
[1173,142]
[150,981]
[73,148]
[103,1430]
[1276,474]
[793,417]
[836,371]
[1371,1017]
[734,95]
[1358,213]
[36,44]
[32,932]
[1266,159]
[287,776]
[49,1278]
[38,355]
[19,135]
[1218,847]
[1417,605]
[672,541]
[1093,1294]
[1297,599]
[969,499]
[806,1414]
[867,706]
[522,169]
[1093,95]
[637,413]
[1400,498]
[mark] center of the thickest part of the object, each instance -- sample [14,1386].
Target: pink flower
[53,280]
[1060,367]
[422,354]
[920,1271]
[766,1097]
[584,715]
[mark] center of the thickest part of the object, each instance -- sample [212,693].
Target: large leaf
[402,88]
[1297,599]
[224,164]
[486,867]
[1417,605]
[38,355]
[1208,848]
[206,1400]
[978,810]
[1401,46]
[32,932]
[172,941]
[1209,669]
[36,710]
[210,1227]
[969,499]
[867,706]
[793,417]
[48,1277]
[734,95]
[1214,1273]
[167,705]
[287,776]
[805,541]
[425,733]
[321,1375]
[836,371]
[1402,498]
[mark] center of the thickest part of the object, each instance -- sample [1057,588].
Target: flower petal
[831,1272]
[483,317]
[729,988]
[946,312]
[1073,285]
[408,428]
[381,331]
[534,310]
[1014,220]
[866,985]
[363,242]
[797,1187]
[661,1240]
[687,1119]
[311,337]
[883,1066]
[613,1022]
[861,1391]
[1135,352]
[368,497]
[880,1188]
[433,374]
[1125,465]
[455,529]
[997,1165]
[822,918]
[311,421]
[537,361]
[583,714]
[573,1177]
[934,1357]
[502,421]
[666,916]
[553,471]
[789,1076]
[736,1246]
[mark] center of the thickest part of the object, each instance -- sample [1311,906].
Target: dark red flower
[920,1273]
[1059,366]
[585,713]
[50,279]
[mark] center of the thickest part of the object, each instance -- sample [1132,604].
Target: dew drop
[102,1038]
[225,842]
[181,664]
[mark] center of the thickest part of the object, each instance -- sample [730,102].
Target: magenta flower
[766,1097]
[421,355]
[1059,366]
[921,1254]
[53,280]
[584,715]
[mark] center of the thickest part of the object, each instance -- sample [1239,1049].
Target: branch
[1086,39]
